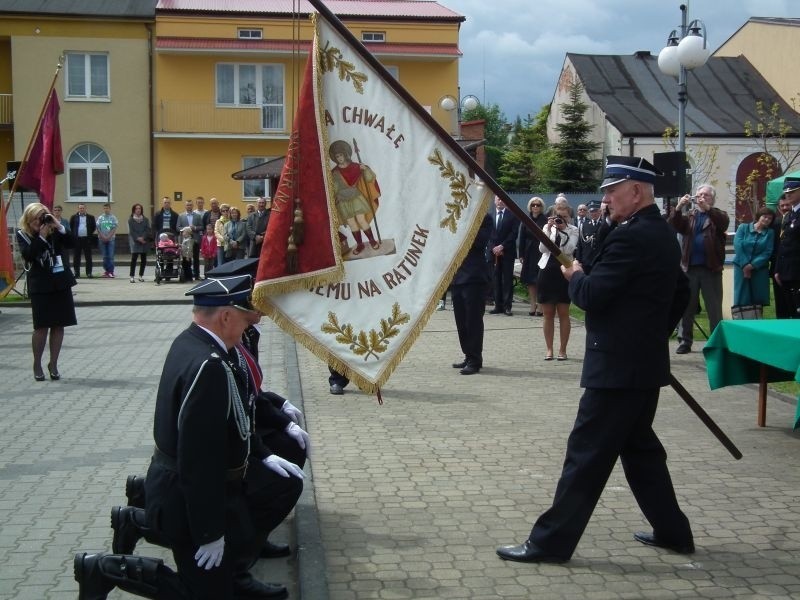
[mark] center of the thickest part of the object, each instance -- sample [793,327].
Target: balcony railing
[205,117]
[6,109]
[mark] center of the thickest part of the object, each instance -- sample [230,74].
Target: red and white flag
[402,209]
[46,159]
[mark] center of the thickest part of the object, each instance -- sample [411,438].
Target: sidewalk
[404,500]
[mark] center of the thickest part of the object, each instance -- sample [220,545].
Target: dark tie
[500,218]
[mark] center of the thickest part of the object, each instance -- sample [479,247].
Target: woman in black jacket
[529,254]
[41,241]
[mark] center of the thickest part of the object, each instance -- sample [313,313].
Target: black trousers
[469,304]
[790,290]
[503,283]
[82,245]
[611,424]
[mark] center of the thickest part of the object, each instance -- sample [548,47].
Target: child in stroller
[167,253]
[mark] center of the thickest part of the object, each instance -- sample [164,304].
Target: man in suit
[468,291]
[503,243]
[633,299]
[257,228]
[586,250]
[787,263]
[83,227]
[782,311]
[194,221]
[197,502]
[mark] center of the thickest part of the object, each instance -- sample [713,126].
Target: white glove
[209,555]
[291,411]
[283,467]
[295,432]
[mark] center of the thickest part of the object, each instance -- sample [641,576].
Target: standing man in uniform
[787,264]
[633,299]
[195,487]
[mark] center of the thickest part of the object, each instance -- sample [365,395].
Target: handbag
[748,311]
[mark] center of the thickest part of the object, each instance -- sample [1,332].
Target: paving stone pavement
[404,500]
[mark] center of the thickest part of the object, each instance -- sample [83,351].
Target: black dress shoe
[496,311]
[271,550]
[650,539]
[683,349]
[470,370]
[245,586]
[509,313]
[460,365]
[528,552]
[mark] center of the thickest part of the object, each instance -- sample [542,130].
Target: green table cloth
[736,351]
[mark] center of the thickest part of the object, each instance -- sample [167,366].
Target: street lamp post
[450,104]
[683,53]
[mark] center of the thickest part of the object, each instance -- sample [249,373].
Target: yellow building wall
[772,50]
[6,107]
[120,126]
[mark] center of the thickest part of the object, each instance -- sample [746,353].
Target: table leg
[761,420]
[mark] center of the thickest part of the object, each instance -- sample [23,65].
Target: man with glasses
[704,230]
[195,486]
[633,298]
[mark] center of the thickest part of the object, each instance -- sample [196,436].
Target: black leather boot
[128,525]
[134,490]
[98,574]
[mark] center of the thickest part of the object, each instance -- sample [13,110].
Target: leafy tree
[527,162]
[575,169]
[496,133]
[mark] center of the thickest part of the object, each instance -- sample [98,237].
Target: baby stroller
[168,258]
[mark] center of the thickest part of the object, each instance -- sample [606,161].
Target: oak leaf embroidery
[331,60]
[367,343]
[459,193]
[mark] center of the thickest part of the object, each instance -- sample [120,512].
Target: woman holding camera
[552,288]
[41,241]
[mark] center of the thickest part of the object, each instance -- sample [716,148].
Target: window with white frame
[246,86]
[89,174]
[87,75]
[253,188]
[250,34]
[373,36]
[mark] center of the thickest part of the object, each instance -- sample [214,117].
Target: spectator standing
[633,298]
[784,208]
[468,294]
[41,242]
[208,250]
[503,244]
[219,232]
[83,227]
[552,289]
[753,245]
[107,225]
[702,258]
[787,267]
[58,214]
[194,222]
[587,230]
[139,236]
[529,253]
[235,234]
[166,219]
[257,228]
[211,215]
[582,216]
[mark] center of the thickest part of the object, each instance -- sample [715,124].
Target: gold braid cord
[458,190]
[371,343]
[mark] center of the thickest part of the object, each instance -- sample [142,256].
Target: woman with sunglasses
[529,253]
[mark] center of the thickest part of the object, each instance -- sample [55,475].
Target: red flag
[298,250]
[45,160]
[6,260]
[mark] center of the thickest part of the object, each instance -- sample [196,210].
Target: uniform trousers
[468,308]
[503,282]
[611,423]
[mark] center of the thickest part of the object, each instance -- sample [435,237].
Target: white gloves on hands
[283,467]
[209,555]
[295,432]
[291,411]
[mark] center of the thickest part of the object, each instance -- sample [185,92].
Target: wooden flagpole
[35,133]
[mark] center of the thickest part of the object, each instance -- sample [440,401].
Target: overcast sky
[513,50]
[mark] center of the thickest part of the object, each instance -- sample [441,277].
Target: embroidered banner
[405,209]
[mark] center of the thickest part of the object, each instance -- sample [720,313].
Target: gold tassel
[298,226]
[291,256]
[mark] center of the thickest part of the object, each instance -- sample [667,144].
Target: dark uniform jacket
[40,255]
[586,250]
[633,299]
[198,498]
[473,267]
[787,264]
